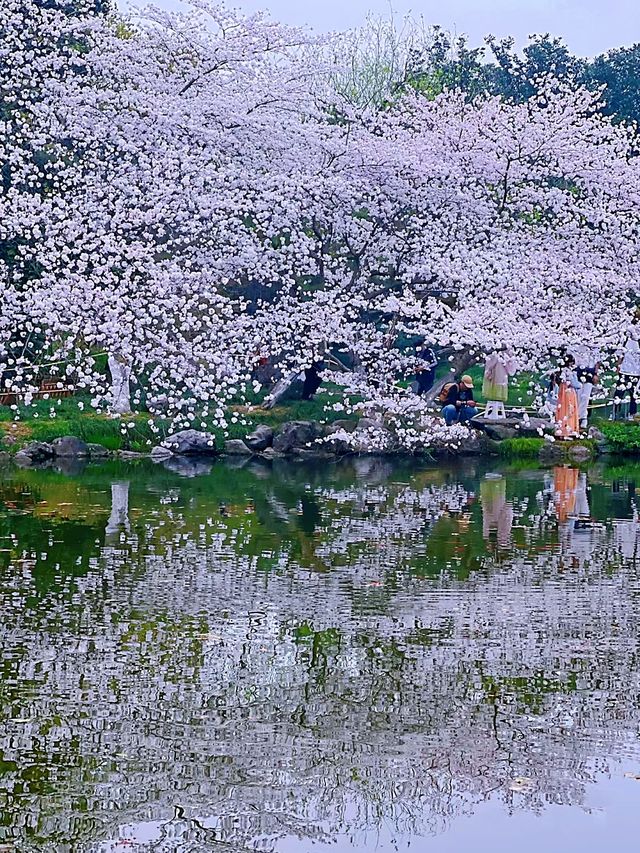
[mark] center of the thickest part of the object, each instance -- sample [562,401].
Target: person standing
[550,405]
[459,405]
[567,419]
[312,380]
[628,377]
[499,366]
[426,371]
[588,376]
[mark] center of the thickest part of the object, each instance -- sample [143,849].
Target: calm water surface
[276,657]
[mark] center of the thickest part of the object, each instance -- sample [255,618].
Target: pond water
[278,657]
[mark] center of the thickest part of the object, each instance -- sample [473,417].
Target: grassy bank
[520,448]
[622,437]
[47,420]
[140,432]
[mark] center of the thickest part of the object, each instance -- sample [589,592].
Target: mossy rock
[577,452]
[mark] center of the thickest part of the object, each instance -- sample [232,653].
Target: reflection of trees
[298,702]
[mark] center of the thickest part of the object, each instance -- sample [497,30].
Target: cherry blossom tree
[187,193]
[482,226]
[524,214]
[181,152]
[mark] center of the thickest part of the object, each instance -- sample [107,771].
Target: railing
[51,388]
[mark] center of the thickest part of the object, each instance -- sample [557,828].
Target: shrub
[621,437]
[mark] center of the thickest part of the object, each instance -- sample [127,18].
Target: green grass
[35,423]
[621,436]
[520,448]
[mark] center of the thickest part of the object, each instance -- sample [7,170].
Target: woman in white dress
[628,378]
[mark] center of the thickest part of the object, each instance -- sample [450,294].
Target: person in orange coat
[567,410]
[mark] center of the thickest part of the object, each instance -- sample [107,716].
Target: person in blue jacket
[426,372]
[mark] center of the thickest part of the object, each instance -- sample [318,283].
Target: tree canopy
[188,193]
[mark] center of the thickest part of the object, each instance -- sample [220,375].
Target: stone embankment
[188,449]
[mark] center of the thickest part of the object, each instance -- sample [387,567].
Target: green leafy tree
[619,71]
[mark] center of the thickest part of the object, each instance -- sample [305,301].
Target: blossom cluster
[186,195]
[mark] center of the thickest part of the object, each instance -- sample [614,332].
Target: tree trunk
[119,518]
[288,388]
[462,359]
[120,399]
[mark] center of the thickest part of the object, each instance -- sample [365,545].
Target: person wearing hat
[459,405]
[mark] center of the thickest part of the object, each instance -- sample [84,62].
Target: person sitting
[459,405]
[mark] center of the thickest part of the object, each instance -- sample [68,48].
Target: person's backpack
[444,392]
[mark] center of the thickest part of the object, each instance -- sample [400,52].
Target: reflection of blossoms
[186,248]
[316,702]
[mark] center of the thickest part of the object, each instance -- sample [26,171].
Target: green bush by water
[621,436]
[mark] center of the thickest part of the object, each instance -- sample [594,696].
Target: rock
[131,455]
[36,452]
[337,444]
[97,451]
[600,439]
[270,453]
[5,457]
[260,438]
[9,440]
[502,432]
[288,388]
[296,434]
[596,435]
[552,452]
[373,439]
[310,453]
[159,453]
[190,442]
[515,425]
[237,447]
[369,423]
[477,444]
[343,424]
[580,453]
[69,446]
[337,441]
[159,404]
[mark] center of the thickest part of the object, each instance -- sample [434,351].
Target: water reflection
[497,511]
[118,522]
[275,653]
